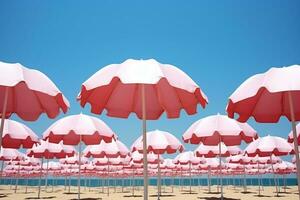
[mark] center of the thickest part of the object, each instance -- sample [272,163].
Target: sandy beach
[230,193]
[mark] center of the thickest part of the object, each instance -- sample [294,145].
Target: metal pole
[292,112]
[145,162]
[17,178]
[245,184]
[190,173]
[220,163]
[46,184]
[40,180]
[79,166]
[274,176]
[3,115]
[158,180]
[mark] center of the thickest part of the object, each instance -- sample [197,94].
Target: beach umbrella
[242,160]
[283,169]
[47,150]
[215,129]
[158,142]
[188,158]
[25,161]
[113,149]
[268,146]
[28,93]
[147,88]
[7,154]
[281,86]
[77,129]
[213,151]
[106,151]
[16,135]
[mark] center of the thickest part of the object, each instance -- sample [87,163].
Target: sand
[230,193]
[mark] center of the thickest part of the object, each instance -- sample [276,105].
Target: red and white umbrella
[110,150]
[213,151]
[281,86]
[7,154]
[268,146]
[28,93]
[188,158]
[158,142]
[17,135]
[48,151]
[215,129]
[105,152]
[75,129]
[218,128]
[147,88]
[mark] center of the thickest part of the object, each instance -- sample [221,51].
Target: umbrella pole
[69,182]
[258,178]
[108,177]
[220,165]
[3,115]
[145,172]
[245,183]
[79,166]
[40,180]
[132,183]
[2,165]
[17,178]
[65,183]
[46,184]
[292,112]
[26,183]
[190,173]
[274,176]
[209,189]
[159,179]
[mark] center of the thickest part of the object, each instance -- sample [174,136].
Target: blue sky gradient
[218,43]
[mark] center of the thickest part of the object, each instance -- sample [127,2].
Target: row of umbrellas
[149,88]
[185,162]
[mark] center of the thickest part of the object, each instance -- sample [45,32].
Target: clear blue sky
[218,43]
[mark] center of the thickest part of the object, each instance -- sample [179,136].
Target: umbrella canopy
[152,158]
[167,88]
[253,97]
[267,146]
[213,129]
[17,135]
[213,151]
[74,160]
[75,128]
[29,93]
[188,157]
[7,154]
[51,150]
[110,150]
[158,142]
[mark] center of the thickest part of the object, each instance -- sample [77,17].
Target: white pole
[145,162]
[295,139]
[40,180]
[79,166]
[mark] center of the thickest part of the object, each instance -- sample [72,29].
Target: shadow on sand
[71,193]
[133,196]
[52,197]
[3,195]
[162,195]
[87,198]
[216,198]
